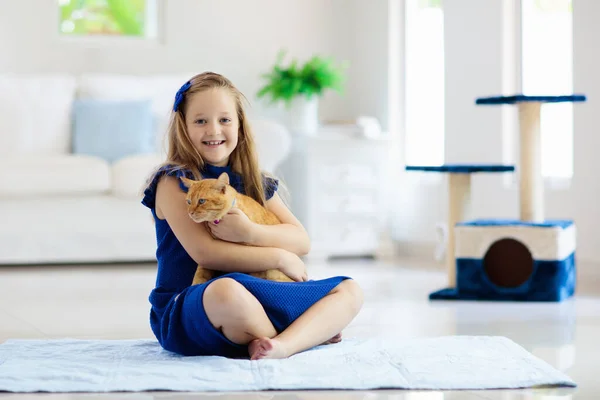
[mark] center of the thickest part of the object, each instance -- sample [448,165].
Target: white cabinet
[337,189]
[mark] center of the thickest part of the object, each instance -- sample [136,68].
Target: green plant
[311,79]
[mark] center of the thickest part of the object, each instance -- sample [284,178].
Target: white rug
[452,362]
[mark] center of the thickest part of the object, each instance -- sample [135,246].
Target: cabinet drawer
[358,233]
[351,203]
[357,175]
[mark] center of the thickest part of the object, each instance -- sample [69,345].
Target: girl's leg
[234,311]
[323,320]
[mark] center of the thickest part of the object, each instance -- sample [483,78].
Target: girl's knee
[222,297]
[235,312]
[353,291]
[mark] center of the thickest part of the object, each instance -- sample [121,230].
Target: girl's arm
[208,252]
[289,235]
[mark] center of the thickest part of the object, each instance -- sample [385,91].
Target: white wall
[583,199]
[474,67]
[237,38]
[241,38]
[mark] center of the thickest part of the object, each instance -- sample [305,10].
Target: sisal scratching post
[531,181]
[459,203]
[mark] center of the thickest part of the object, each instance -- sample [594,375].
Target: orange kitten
[210,200]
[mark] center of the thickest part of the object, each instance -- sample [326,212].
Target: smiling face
[212,123]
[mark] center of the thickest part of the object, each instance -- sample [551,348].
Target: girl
[234,315]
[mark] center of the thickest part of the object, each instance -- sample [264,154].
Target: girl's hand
[292,266]
[234,227]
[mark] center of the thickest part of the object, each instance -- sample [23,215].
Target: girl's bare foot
[272,348]
[336,339]
[266,348]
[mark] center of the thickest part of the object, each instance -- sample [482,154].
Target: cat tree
[526,259]
[459,199]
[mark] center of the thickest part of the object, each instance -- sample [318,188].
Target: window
[424,82]
[547,69]
[131,18]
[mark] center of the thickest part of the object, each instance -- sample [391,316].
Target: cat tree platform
[459,199]
[531,181]
[521,98]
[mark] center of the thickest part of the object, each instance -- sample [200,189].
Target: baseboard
[416,250]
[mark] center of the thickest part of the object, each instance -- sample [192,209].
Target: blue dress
[177,315]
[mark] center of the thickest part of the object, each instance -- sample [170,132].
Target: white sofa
[60,207]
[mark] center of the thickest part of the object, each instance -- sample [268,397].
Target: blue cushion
[112,129]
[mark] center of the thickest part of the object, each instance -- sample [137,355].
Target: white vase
[303,116]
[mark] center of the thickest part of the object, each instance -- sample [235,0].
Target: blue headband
[180,93]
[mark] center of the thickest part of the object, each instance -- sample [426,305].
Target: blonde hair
[243,160]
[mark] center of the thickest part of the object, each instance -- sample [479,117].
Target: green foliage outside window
[541,5]
[102,17]
[430,3]
[554,5]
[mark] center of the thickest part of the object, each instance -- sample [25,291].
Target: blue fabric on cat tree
[545,264]
[520,98]
[462,168]
[562,223]
[553,281]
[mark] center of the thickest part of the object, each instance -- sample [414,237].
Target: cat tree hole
[508,263]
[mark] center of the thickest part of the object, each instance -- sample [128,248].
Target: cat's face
[209,199]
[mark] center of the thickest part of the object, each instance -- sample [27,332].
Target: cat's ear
[186,182]
[224,178]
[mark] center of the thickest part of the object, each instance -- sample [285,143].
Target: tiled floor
[82,302]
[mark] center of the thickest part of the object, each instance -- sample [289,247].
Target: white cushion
[35,114]
[160,89]
[75,230]
[273,143]
[22,176]
[129,175]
